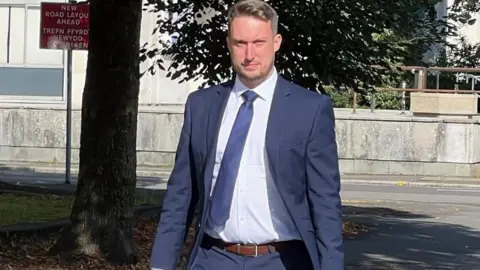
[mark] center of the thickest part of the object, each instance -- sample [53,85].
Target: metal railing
[420,84]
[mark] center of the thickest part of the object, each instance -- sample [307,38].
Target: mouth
[250,66]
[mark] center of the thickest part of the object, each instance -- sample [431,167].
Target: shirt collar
[264,90]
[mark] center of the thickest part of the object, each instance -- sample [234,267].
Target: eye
[240,43]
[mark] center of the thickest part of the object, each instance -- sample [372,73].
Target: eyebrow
[243,41]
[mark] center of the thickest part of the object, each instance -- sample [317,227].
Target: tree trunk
[102,214]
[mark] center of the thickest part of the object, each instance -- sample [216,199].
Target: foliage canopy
[325,42]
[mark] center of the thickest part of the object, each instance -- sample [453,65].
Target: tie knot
[249,96]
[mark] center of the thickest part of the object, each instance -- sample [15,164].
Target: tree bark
[102,214]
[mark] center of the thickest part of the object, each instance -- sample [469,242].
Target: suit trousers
[215,258]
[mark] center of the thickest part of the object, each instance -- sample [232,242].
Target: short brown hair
[254,8]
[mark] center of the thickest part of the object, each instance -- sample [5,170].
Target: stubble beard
[255,80]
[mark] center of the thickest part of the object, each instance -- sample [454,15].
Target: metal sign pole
[68,132]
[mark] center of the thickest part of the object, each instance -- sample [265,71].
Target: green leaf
[324,42]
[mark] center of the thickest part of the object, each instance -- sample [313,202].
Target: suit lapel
[217,107]
[276,122]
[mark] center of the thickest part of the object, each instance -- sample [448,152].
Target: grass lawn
[22,208]
[15,208]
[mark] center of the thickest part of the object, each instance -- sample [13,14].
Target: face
[252,45]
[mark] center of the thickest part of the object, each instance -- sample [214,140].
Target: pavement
[156,177]
[409,223]
[416,181]
[427,195]
[54,177]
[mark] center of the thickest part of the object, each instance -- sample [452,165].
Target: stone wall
[384,142]
[36,134]
[390,143]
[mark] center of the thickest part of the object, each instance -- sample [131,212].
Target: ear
[277,42]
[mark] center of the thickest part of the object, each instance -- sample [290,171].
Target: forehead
[245,27]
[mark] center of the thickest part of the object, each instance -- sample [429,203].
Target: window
[26,71]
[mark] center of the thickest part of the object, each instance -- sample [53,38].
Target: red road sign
[64,26]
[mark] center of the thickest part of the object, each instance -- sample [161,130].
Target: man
[257,158]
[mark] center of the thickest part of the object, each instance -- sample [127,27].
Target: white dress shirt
[258,214]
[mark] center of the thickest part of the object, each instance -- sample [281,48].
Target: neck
[251,84]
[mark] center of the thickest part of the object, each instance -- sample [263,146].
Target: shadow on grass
[400,240]
[26,184]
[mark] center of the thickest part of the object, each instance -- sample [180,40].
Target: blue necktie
[222,196]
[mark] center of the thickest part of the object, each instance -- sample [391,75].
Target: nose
[249,53]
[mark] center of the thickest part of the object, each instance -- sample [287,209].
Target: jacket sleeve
[323,181]
[177,204]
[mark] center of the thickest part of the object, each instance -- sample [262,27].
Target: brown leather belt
[249,250]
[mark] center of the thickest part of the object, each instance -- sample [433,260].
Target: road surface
[410,228]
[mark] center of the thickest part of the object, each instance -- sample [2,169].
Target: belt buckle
[238,248]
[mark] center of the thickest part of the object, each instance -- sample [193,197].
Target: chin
[251,74]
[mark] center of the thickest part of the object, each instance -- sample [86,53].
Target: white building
[34,75]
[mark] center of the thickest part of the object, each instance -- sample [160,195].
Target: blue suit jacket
[302,153]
